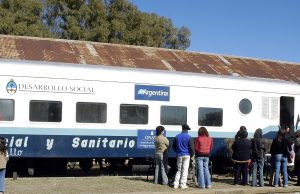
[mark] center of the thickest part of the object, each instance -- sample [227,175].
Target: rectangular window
[270,108]
[45,111]
[91,112]
[173,115]
[133,114]
[210,116]
[7,110]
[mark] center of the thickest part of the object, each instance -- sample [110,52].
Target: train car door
[287,113]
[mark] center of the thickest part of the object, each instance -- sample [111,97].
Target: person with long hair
[258,156]
[161,149]
[203,147]
[3,161]
[279,152]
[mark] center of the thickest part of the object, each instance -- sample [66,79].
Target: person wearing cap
[241,148]
[297,156]
[183,145]
[161,149]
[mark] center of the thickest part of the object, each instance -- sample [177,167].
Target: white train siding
[73,83]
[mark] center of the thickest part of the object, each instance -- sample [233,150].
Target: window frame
[13,109]
[176,123]
[91,103]
[41,121]
[239,106]
[207,108]
[136,123]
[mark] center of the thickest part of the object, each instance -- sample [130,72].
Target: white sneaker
[184,187]
[176,186]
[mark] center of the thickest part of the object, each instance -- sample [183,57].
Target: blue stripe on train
[82,143]
[268,131]
[61,146]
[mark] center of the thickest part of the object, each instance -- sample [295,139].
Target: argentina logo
[150,92]
[11,87]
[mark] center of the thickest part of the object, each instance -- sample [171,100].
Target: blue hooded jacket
[183,144]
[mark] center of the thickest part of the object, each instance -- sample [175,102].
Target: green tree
[22,17]
[112,21]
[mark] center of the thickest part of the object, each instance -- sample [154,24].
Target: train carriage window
[7,110]
[133,114]
[173,115]
[45,111]
[91,112]
[210,116]
[245,106]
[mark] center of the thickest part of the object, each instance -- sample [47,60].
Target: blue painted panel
[51,146]
[145,139]
[148,92]
[73,146]
[79,145]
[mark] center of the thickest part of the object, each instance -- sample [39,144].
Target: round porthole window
[245,106]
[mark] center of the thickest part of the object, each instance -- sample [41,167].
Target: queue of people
[248,155]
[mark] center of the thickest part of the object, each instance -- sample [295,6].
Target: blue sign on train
[45,146]
[145,139]
[150,92]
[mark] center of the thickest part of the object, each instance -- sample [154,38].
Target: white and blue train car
[84,112]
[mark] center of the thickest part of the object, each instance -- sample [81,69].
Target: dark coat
[241,149]
[280,147]
[258,148]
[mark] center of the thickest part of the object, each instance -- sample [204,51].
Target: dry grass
[119,184]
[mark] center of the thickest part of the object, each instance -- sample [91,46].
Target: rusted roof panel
[81,52]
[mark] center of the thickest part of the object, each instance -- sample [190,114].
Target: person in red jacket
[203,147]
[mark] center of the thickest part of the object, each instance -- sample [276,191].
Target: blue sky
[263,29]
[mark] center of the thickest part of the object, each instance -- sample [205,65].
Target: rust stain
[81,52]
[8,49]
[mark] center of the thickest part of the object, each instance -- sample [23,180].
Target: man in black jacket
[241,157]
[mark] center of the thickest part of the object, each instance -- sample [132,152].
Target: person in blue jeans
[257,157]
[203,147]
[279,151]
[161,148]
[3,161]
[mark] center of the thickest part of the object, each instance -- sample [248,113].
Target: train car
[52,113]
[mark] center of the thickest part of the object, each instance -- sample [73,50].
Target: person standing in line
[258,157]
[241,130]
[241,148]
[3,162]
[161,149]
[184,147]
[203,147]
[297,156]
[279,152]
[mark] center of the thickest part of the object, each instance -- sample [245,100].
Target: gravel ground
[131,184]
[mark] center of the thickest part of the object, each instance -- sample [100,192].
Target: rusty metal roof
[82,52]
